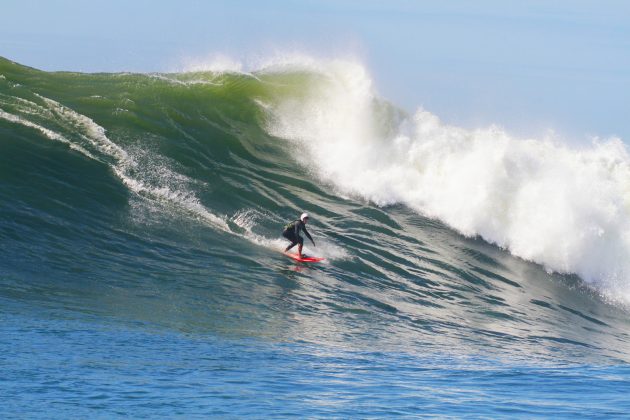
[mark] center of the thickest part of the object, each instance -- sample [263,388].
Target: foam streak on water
[91,135]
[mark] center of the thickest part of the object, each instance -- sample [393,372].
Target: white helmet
[304,216]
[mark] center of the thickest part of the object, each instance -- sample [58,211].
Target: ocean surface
[468,273]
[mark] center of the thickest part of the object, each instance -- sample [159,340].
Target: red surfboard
[296,257]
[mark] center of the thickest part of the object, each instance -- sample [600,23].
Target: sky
[529,66]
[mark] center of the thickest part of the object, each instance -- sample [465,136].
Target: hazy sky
[528,66]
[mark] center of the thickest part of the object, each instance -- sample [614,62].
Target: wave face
[159,199]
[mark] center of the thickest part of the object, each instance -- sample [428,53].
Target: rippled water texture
[141,273]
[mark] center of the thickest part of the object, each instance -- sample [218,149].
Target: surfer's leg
[301,242]
[291,237]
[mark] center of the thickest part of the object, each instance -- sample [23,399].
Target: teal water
[140,272]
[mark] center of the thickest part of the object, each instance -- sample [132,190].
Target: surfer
[292,233]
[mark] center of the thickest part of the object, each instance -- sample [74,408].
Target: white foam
[88,129]
[280,61]
[49,134]
[215,63]
[565,208]
[329,250]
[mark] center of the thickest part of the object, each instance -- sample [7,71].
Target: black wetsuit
[292,233]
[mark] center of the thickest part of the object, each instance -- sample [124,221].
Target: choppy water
[140,272]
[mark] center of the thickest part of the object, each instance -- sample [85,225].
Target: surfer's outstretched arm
[308,235]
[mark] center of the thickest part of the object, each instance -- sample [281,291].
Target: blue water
[55,365]
[140,272]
